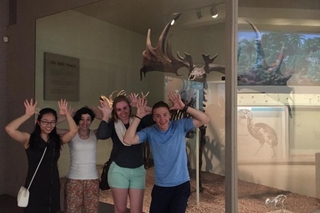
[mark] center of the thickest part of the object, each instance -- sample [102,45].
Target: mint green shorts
[126,178]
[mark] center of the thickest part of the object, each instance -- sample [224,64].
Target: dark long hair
[35,137]
[83,111]
[118,99]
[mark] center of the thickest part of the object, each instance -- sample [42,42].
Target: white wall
[295,178]
[110,59]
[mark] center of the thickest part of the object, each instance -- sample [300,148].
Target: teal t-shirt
[169,151]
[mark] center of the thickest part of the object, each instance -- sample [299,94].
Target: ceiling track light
[214,12]
[199,14]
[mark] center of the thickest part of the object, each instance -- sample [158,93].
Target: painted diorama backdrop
[300,60]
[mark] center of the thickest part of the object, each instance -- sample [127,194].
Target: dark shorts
[170,199]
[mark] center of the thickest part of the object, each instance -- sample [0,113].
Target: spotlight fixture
[199,14]
[174,20]
[214,12]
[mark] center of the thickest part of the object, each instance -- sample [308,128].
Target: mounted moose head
[160,58]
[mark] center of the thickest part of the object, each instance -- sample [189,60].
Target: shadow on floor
[106,207]
[8,204]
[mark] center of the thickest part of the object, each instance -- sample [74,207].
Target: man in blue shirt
[167,141]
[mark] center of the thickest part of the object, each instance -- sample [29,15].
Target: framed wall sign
[61,77]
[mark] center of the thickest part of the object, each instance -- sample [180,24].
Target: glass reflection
[278,104]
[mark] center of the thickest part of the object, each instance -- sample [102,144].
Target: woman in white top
[82,184]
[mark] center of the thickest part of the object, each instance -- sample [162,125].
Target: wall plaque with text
[61,77]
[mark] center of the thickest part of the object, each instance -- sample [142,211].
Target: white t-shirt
[83,158]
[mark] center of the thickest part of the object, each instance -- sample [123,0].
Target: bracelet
[137,117]
[185,108]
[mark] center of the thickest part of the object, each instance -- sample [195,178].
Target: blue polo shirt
[169,151]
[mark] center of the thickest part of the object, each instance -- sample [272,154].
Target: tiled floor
[8,204]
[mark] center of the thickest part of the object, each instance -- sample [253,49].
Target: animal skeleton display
[160,58]
[122,92]
[260,131]
[110,99]
[275,201]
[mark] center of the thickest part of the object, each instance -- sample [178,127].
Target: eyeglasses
[46,123]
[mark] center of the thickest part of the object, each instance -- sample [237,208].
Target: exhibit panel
[262,134]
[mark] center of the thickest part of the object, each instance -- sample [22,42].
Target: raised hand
[141,107]
[105,108]
[30,107]
[176,100]
[63,107]
[133,99]
[71,111]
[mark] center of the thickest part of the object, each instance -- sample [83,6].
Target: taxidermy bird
[260,131]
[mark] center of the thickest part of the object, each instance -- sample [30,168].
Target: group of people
[126,175]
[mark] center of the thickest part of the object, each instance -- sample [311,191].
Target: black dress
[45,188]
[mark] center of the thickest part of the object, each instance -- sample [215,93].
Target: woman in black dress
[45,188]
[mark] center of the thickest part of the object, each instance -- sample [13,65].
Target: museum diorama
[158,47]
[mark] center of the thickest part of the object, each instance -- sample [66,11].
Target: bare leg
[120,199]
[136,200]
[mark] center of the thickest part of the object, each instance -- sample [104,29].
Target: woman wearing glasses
[45,188]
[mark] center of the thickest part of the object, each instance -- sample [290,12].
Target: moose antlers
[122,92]
[110,99]
[160,58]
